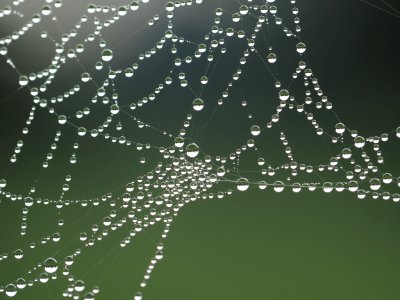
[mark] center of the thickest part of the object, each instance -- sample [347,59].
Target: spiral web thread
[184,173]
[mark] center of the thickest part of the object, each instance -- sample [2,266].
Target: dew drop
[271,58]
[11,290]
[242,184]
[300,48]
[198,104]
[192,150]
[255,130]
[284,95]
[50,265]
[106,55]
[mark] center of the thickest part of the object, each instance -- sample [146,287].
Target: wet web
[163,119]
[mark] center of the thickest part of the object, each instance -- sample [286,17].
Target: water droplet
[106,55]
[340,128]
[242,184]
[272,58]
[375,184]
[255,130]
[11,290]
[18,254]
[114,109]
[50,265]
[23,80]
[192,150]
[359,142]
[300,48]
[198,104]
[62,119]
[170,6]
[284,95]
[79,285]
[279,186]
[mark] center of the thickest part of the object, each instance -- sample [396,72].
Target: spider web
[168,101]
